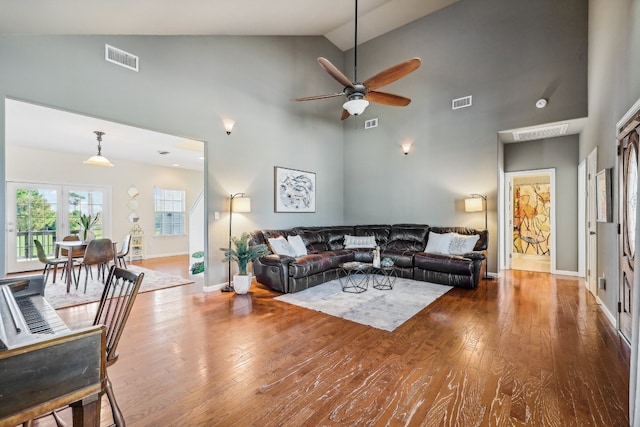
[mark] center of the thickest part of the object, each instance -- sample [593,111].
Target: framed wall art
[603,196]
[294,190]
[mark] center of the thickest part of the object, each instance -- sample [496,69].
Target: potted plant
[86,223]
[198,266]
[242,254]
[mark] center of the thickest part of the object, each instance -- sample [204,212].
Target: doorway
[529,210]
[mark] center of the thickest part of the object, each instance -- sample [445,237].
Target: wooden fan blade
[311,98]
[392,74]
[334,72]
[387,98]
[345,115]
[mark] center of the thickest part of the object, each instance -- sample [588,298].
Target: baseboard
[567,273]
[164,255]
[607,313]
[213,288]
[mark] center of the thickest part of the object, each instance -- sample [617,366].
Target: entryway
[530,231]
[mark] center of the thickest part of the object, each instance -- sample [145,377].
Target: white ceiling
[34,126]
[331,18]
[64,131]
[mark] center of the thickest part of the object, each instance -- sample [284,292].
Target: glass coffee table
[384,277]
[354,277]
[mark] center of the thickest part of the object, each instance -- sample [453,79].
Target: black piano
[44,365]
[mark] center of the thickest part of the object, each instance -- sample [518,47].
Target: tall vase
[87,235]
[242,283]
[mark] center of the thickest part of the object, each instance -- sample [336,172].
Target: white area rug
[56,293]
[384,310]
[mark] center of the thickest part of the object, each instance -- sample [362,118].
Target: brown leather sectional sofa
[403,243]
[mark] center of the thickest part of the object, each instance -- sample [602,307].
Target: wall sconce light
[237,203]
[228,125]
[406,147]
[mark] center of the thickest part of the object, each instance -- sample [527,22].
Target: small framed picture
[603,196]
[294,190]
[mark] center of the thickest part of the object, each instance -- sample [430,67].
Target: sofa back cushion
[379,231]
[408,237]
[481,244]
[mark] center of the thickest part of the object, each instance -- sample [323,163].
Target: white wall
[31,165]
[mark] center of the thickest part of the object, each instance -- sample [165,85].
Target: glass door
[47,213]
[32,214]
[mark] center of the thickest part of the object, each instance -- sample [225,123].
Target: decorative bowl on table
[386,262]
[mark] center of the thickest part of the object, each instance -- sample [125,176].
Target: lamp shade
[473,205]
[241,204]
[98,160]
[356,107]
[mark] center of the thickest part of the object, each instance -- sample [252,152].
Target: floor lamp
[478,203]
[237,203]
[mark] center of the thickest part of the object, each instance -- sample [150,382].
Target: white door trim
[582,217]
[508,217]
[590,230]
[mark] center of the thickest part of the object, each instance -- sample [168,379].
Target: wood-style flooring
[528,349]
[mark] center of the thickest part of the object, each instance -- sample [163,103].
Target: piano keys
[44,365]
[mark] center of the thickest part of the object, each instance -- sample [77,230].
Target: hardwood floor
[529,349]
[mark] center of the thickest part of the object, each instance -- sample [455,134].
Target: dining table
[70,246]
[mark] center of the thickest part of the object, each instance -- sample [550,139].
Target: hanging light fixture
[99,159]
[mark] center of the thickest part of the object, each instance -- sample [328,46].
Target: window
[169,212]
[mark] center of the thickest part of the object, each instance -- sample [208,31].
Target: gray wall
[491,49]
[560,154]
[614,86]
[184,86]
[507,54]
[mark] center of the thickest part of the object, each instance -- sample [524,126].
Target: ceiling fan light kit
[355,107]
[359,94]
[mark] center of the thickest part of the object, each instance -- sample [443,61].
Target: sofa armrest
[476,256]
[275,259]
[273,271]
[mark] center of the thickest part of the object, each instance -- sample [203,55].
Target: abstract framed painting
[294,190]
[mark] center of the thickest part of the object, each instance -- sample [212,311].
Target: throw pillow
[438,243]
[352,242]
[281,246]
[298,245]
[461,244]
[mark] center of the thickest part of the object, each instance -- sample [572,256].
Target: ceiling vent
[463,102]
[541,132]
[120,57]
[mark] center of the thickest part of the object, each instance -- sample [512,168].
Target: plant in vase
[242,253]
[86,223]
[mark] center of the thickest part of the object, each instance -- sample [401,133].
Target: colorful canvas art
[532,219]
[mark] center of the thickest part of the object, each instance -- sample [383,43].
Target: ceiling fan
[359,94]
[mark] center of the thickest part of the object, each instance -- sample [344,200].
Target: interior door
[628,179]
[592,237]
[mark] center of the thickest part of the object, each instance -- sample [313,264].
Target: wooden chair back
[115,306]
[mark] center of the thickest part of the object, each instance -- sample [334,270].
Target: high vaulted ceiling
[331,18]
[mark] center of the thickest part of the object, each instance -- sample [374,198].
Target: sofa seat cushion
[318,263]
[451,264]
[402,259]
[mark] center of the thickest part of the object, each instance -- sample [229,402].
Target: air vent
[373,123]
[120,57]
[463,102]
[541,132]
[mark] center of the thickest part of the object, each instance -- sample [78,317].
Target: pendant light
[99,159]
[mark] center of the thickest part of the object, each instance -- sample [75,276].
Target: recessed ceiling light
[541,103]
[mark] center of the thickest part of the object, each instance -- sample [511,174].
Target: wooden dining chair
[120,292]
[99,252]
[48,262]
